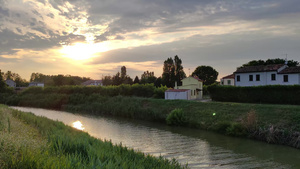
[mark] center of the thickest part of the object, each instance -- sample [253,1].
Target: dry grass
[15,135]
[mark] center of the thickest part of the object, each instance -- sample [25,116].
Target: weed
[176,118]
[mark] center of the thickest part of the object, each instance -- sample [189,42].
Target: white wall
[225,82]
[177,95]
[265,79]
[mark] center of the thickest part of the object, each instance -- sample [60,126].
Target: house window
[257,77]
[250,77]
[285,78]
[273,76]
[238,78]
[194,92]
[229,82]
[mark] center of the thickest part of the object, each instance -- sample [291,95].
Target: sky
[95,38]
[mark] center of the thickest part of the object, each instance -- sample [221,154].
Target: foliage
[148,77]
[136,80]
[57,80]
[15,77]
[274,94]
[290,63]
[176,118]
[206,73]
[172,71]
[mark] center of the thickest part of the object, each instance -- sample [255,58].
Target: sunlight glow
[78,125]
[83,51]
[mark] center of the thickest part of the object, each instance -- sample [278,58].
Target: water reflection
[200,149]
[78,125]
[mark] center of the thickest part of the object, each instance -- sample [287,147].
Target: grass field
[28,141]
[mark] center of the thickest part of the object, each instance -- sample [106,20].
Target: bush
[176,118]
[273,94]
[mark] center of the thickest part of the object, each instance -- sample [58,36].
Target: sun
[83,51]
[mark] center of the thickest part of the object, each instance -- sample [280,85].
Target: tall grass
[70,148]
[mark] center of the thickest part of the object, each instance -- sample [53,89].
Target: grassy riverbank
[279,124]
[28,141]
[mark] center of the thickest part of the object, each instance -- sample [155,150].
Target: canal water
[197,148]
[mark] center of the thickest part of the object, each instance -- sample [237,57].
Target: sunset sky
[94,38]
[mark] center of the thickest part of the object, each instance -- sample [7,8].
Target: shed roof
[177,90]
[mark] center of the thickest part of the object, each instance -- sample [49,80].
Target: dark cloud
[4,12]
[11,41]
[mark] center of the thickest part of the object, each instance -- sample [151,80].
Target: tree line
[172,72]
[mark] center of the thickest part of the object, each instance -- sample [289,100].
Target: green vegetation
[176,118]
[274,94]
[278,124]
[37,142]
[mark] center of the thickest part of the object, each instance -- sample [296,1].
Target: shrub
[274,94]
[176,118]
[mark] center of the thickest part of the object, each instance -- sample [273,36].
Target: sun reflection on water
[78,125]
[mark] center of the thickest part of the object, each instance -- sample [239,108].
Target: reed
[70,148]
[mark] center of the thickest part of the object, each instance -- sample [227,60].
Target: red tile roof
[261,68]
[228,77]
[177,90]
[197,78]
[290,70]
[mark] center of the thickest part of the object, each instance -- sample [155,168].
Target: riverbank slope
[278,124]
[28,141]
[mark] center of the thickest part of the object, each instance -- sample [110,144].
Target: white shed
[178,94]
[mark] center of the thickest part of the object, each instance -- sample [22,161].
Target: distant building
[191,89]
[11,83]
[228,80]
[38,84]
[92,83]
[277,74]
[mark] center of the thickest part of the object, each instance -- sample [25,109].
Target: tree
[206,73]
[179,73]
[136,80]
[172,71]
[116,79]
[123,72]
[107,80]
[58,80]
[290,63]
[148,77]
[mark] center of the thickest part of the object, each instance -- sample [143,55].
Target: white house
[38,84]
[228,80]
[93,83]
[178,94]
[10,83]
[277,74]
[191,89]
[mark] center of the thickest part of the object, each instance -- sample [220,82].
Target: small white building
[277,74]
[228,80]
[178,94]
[11,83]
[93,83]
[191,89]
[37,84]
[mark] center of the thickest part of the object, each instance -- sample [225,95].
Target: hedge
[272,94]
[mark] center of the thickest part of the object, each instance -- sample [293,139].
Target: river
[197,148]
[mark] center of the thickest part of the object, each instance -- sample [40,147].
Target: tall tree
[136,80]
[179,73]
[123,72]
[206,73]
[116,79]
[168,76]
[172,71]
